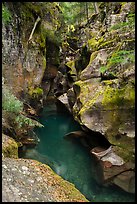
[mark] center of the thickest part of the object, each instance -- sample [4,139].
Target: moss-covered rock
[108,107]
[9,147]
[71,65]
[35,92]
[105,90]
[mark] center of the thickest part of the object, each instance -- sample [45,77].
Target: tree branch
[32,32]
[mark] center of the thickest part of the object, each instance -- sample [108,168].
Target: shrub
[10,103]
[122,56]
[103,69]
[130,23]
[23,121]
[35,92]
[14,108]
[119,57]
[6,16]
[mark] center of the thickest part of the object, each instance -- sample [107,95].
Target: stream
[68,158]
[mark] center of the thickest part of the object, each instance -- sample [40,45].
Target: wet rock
[121,175]
[76,134]
[97,59]
[103,108]
[113,159]
[126,181]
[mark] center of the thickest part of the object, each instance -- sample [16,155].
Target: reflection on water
[69,158]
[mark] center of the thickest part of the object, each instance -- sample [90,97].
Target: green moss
[44,63]
[35,92]
[88,105]
[36,8]
[124,146]
[121,150]
[93,56]
[116,97]
[109,43]
[92,43]
[112,96]
[123,3]
[85,93]
[130,94]
[44,28]
[6,15]
[71,65]
[10,148]
[108,82]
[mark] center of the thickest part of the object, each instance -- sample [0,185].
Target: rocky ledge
[25,180]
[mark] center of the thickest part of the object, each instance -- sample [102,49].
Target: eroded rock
[122,175]
[105,89]
[30,181]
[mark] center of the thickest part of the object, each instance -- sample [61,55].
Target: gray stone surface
[25,180]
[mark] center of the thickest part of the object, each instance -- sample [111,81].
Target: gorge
[77,84]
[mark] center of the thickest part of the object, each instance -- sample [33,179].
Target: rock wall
[24,43]
[103,95]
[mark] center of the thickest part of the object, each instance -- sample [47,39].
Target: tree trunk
[87,10]
[95,7]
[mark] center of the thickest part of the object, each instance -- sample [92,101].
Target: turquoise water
[68,158]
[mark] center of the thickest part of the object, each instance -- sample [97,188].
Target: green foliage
[6,16]
[10,103]
[35,93]
[119,57]
[22,121]
[122,25]
[122,56]
[76,12]
[14,107]
[103,69]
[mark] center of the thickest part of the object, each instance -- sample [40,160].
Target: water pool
[68,158]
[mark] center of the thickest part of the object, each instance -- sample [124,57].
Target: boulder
[108,107]
[64,99]
[110,169]
[9,147]
[26,180]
